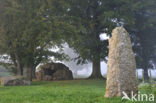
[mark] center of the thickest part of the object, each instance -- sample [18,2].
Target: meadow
[73,91]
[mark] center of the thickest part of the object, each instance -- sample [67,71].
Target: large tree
[143,34]
[93,17]
[27,33]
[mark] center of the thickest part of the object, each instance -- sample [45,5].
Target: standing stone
[121,73]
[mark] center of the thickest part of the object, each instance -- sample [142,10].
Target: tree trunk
[29,72]
[146,59]
[96,70]
[19,69]
[145,67]
[33,72]
[18,66]
[146,76]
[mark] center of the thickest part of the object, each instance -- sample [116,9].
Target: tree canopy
[143,34]
[28,32]
[93,17]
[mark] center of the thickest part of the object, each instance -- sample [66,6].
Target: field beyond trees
[74,91]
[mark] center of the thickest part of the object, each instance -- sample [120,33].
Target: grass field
[74,91]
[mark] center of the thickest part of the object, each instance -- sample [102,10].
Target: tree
[27,33]
[93,17]
[143,34]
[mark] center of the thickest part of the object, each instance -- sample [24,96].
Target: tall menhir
[121,74]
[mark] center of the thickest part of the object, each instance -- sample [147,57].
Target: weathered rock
[54,71]
[13,81]
[47,78]
[121,73]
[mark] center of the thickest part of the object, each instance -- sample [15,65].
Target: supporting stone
[121,73]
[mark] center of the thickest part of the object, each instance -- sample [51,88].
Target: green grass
[75,91]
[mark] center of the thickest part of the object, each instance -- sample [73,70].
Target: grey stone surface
[121,73]
[14,81]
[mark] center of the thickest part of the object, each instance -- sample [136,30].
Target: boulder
[121,73]
[54,71]
[13,81]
